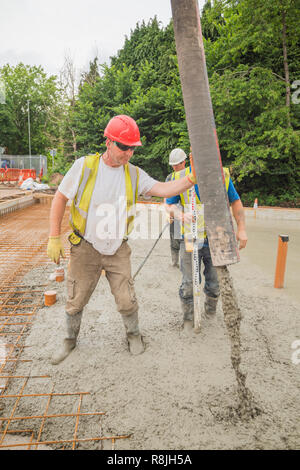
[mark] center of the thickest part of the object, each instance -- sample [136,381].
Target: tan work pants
[85,269]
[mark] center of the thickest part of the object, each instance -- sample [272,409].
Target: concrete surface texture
[182,393]
[273,213]
[262,251]
[10,192]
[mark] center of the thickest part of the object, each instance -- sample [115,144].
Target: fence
[13,174]
[25,162]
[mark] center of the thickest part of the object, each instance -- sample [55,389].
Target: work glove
[169,218]
[192,176]
[55,249]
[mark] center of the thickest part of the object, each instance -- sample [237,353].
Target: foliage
[23,83]
[253,57]
[262,150]
[61,164]
[258,133]
[143,82]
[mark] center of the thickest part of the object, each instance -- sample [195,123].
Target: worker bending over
[183,213]
[103,190]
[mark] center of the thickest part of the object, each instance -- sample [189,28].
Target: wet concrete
[246,408]
[182,393]
[262,250]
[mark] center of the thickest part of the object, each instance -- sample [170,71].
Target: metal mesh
[33,415]
[36,162]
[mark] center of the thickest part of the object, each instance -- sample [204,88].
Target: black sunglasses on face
[124,147]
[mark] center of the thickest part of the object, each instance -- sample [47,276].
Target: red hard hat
[123,129]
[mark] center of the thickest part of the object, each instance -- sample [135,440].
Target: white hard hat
[177,156]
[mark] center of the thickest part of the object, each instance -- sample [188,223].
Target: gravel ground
[181,393]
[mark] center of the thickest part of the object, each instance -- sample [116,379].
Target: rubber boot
[175,258]
[188,326]
[210,306]
[73,326]
[188,317]
[134,338]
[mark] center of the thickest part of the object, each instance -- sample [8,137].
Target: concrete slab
[262,245]
[6,193]
[273,213]
[11,205]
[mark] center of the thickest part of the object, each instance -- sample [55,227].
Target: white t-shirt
[107,216]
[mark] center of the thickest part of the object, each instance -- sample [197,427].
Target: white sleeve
[69,185]
[145,182]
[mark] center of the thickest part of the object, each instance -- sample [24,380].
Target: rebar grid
[23,241]
[18,305]
[10,357]
[18,415]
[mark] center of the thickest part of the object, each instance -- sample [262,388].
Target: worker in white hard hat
[177,160]
[183,214]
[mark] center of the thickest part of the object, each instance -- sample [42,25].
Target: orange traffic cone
[255,206]
[20,181]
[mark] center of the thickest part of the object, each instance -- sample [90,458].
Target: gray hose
[156,241]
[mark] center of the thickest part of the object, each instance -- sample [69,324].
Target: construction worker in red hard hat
[103,190]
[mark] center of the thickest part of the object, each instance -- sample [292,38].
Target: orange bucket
[50,297]
[59,274]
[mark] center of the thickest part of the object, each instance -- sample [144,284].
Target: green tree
[250,46]
[22,84]
[142,81]
[251,64]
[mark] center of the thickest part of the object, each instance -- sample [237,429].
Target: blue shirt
[231,192]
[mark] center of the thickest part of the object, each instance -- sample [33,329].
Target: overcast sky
[42,32]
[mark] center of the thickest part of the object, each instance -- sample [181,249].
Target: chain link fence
[22,162]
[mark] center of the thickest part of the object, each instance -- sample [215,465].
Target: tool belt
[125,239]
[78,234]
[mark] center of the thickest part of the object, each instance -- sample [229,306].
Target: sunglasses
[124,147]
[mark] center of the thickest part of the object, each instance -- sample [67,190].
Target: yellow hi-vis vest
[81,202]
[185,199]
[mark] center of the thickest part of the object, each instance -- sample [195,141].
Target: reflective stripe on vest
[185,197]
[80,205]
[132,183]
